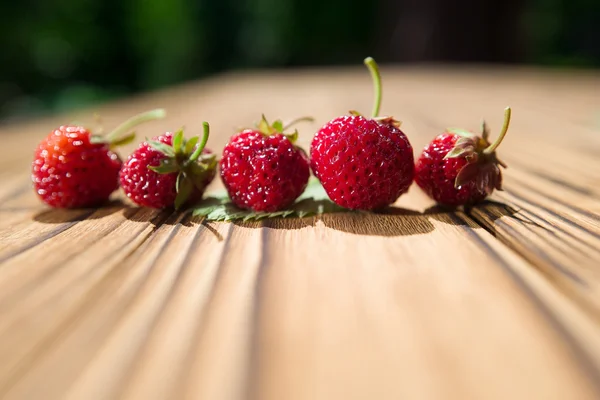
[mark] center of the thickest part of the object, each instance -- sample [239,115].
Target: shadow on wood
[62,215]
[391,221]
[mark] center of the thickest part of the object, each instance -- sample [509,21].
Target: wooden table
[503,303]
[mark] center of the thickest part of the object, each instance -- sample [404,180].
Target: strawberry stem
[133,122]
[297,120]
[492,147]
[374,70]
[203,141]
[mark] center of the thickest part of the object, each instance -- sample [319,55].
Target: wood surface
[502,302]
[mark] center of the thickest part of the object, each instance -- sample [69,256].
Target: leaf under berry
[314,201]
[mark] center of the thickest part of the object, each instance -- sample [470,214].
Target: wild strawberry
[262,169]
[169,171]
[461,168]
[74,168]
[363,163]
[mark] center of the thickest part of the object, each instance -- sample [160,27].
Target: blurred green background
[64,54]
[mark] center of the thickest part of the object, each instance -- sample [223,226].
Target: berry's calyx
[482,162]
[123,133]
[185,158]
[277,127]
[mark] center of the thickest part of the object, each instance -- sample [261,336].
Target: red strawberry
[461,168]
[74,168]
[363,163]
[262,169]
[169,171]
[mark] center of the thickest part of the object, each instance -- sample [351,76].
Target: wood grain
[497,302]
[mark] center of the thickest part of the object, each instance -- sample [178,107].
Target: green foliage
[313,201]
[564,33]
[64,54]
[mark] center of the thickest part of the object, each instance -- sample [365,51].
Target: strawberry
[363,163]
[74,168]
[262,169]
[461,168]
[169,171]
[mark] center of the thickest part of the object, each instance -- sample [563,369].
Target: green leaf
[177,141]
[460,132]
[313,201]
[163,148]
[190,145]
[184,189]
[166,166]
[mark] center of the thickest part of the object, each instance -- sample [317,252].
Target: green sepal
[355,113]
[388,121]
[166,166]
[269,129]
[190,144]
[178,141]
[163,148]
[278,126]
[466,146]
[468,173]
[184,187]
[208,158]
[199,171]
[460,152]
[485,130]
[263,126]
[180,179]
[205,162]
[292,137]
[460,132]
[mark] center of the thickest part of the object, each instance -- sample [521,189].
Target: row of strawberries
[363,164]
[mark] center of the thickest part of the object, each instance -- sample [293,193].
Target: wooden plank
[560,239]
[409,304]
[551,186]
[301,328]
[418,303]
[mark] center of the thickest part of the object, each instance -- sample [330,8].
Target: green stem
[133,122]
[492,147]
[298,120]
[203,140]
[374,70]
